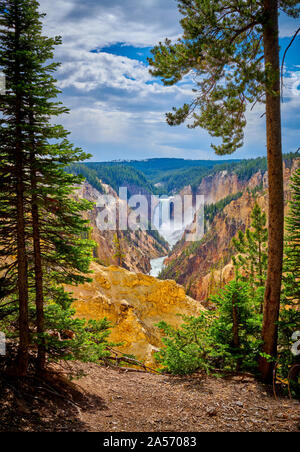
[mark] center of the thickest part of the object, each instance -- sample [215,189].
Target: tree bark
[38,266]
[235,329]
[276,204]
[38,269]
[22,359]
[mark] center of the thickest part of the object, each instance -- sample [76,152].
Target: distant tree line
[89,174]
[120,176]
[244,169]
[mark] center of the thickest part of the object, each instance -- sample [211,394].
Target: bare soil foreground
[107,400]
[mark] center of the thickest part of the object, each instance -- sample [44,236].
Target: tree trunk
[38,270]
[235,330]
[276,206]
[22,359]
[261,280]
[235,326]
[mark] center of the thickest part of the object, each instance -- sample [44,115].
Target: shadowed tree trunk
[235,330]
[38,271]
[22,359]
[38,268]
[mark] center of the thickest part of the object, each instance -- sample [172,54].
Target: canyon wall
[134,303]
[189,263]
[138,247]
[222,184]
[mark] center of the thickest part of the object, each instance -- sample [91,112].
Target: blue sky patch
[121,49]
[292,59]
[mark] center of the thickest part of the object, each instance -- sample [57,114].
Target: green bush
[227,339]
[288,369]
[236,329]
[66,337]
[69,339]
[186,349]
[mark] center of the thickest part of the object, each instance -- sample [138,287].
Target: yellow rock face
[134,303]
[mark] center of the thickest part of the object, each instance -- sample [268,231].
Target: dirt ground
[107,400]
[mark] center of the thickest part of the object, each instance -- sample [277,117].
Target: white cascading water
[172,232]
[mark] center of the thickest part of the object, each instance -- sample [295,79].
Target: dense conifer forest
[170,176]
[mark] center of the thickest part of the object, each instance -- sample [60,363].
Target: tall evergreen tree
[235,328]
[292,245]
[36,192]
[232,48]
[13,163]
[289,320]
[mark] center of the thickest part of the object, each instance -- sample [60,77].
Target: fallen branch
[125,369]
[128,360]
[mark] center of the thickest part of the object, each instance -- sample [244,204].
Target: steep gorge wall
[190,263]
[222,184]
[134,303]
[138,247]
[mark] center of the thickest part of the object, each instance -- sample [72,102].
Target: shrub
[186,349]
[236,329]
[225,340]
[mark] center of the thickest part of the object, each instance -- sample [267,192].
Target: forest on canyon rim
[77,301]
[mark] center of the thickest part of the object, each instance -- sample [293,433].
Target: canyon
[133,300]
[194,264]
[138,247]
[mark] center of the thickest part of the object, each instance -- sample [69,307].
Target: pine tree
[232,48]
[216,280]
[221,265]
[212,282]
[236,327]
[289,320]
[36,198]
[252,259]
[118,253]
[292,245]
[13,164]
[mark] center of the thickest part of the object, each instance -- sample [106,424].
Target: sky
[117,109]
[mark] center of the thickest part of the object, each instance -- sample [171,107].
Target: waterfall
[171,229]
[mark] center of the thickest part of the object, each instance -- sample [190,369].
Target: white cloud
[114,107]
[287,26]
[87,71]
[95,23]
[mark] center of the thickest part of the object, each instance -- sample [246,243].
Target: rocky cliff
[135,303]
[137,247]
[190,263]
[222,184]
